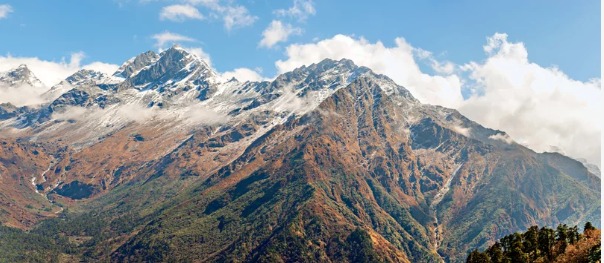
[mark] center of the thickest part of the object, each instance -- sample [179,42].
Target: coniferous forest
[563,244]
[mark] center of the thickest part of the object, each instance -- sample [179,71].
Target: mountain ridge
[329,154]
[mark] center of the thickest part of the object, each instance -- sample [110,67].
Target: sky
[530,68]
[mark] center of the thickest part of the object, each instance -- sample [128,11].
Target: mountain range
[166,160]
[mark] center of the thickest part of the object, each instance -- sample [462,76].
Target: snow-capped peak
[83,77]
[20,76]
[135,64]
[175,67]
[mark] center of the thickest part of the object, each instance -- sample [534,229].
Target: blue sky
[530,68]
[561,33]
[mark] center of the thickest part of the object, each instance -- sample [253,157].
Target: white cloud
[300,10]
[231,14]
[243,74]
[501,137]
[180,13]
[537,106]
[21,96]
[462,130]
[277,32]
[440,67]
[52,72]
[102,67]
[237,16]
[5,10]
[167,37]
[397,62]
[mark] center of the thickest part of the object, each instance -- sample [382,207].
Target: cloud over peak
[398,62]
[537,106]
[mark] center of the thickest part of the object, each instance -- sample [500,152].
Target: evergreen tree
[544,245]
[573,234]
[588,226]
[547,240]
[562,237]
[496,253]
[595,253]
[531,242]
[478,257]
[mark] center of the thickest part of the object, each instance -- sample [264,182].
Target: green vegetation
[563,244]
[19,246]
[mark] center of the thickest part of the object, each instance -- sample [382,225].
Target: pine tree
[531,242]
[547,240]
[588,226]
[478,257]
[562,237]
[495,253]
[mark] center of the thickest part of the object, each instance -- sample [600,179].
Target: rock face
[329,162]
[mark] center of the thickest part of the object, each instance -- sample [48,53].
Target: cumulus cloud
[167,37]
[537,106]
[52,72]
[232,15]
[243,74]
[5,10]
[277,32]
[180,13]
[300,10]
[398,62]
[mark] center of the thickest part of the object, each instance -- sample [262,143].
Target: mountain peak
[173,67]
[19,76]
[135,64]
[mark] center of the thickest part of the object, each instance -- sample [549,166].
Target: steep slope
[351,166]
[22,165]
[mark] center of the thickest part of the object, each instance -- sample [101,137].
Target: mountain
[19,87]
[167,161]
[20,76]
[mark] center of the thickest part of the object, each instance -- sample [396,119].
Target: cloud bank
[540,107]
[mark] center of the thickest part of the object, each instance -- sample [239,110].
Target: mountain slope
[166,161]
